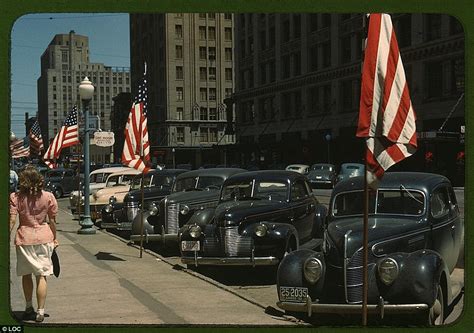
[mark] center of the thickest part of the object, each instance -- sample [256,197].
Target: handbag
[55,260]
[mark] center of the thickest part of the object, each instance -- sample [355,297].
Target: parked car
[322,174]
[97,180]
[414,238]
[300,168]
[117,186]
[193,190]
[157,184]
[61,181]
[349,170]
[261,217]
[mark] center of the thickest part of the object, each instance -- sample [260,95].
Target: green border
[461,9]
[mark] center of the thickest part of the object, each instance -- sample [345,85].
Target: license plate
[319,177]
[293,294]
[190,246]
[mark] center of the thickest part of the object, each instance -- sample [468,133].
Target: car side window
[439,203]
[298,191]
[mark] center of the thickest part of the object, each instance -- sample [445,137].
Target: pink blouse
[33,229]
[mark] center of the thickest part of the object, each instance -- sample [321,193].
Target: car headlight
[388,270]
[261,230]
[312,270]
[81,201]
[109,208]
[112,200]
[184,210]
[195,231]
[154,210]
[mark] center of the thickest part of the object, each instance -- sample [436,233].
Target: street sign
[104,139]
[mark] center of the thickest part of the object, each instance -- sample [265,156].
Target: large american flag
[67,136]
[136,148]
[36,140]
[20,148]
[386,118]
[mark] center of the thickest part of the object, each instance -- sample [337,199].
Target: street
[103,280]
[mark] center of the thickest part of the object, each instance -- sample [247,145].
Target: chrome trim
[410,234]
[240,261]
[346,262]
[155,237]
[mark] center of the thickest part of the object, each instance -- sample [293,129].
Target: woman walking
[35,238]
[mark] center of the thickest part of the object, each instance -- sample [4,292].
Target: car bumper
[381,309]
[160,238]
[118,225]
[230,261]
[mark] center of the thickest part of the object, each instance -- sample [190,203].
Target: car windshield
[382,202]
[151,180]
[321,167]
[242,190]
[99,177]
[184,184]
[119,180]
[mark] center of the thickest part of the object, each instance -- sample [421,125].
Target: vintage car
[349,170]
[157,184]
[193,190]
[414,238]
[61,181]
[117,186]
[322,174]
[98,179]
[261,217]
[300,168]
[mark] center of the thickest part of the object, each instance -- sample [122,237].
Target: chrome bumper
[161,238]
[230,261]
[381,309]
[118,225]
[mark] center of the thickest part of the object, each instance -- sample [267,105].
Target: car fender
[319,219]
[137,224]
[202,217]
[420,272]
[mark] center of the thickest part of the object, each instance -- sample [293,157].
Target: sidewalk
[103,281]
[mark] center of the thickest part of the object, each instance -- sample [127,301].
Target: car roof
[129,171]
[325,164]
[345,165]
[223,172]
[297,166]
[167,171]
[415,180]
[110,170]
[269,175]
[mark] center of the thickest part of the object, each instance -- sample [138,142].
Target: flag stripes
[36,140]
[19,148]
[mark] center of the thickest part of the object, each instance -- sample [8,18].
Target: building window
[271,37]
[228,74]
[285,66]
[263,73]
[349,96]
[54,78]
[285,30]
[212,94]
[212,73]
[202,53]
[212,114]
[326,54]
[180,134]
[313,22]
[433,26]
[228,34]
[179,113]
[202,73]
[202,32]
[227,16]
[203,114]
[202,15]
[64,56]
[345,49]
[178,31]
[179,14]
[212,33]
[212,54]
[213,134]
[179,93]
[313,58]
[455,26]
[211,16]
[228,54]
[179,73]
[404,31]
[203,94]
[297,25]
[179,52]
[326,20]
[296,64]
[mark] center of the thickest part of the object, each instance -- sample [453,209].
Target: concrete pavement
[103,281]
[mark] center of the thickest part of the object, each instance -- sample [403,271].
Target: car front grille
[354,278]
[172,220]
[132,210]
[235,244]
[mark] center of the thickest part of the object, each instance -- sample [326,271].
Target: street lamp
[12,138]
[174,158]
[86,90]
[328,139]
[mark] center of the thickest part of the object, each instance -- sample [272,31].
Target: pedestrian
[35,238]
[13,180]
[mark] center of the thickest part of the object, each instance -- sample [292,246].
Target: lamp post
[86,90]
[328,139]
[12,162]
[174,158]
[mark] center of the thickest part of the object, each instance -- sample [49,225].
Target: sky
[109,43]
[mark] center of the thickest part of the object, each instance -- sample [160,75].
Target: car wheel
[435,315]
[58,193]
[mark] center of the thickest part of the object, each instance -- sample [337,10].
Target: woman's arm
[52,225]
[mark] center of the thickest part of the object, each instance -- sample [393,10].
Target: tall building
[298,83]
[64,64]
[190,72]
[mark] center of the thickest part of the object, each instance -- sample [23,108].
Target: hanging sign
[104,139]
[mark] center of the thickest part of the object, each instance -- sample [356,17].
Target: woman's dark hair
[30,181]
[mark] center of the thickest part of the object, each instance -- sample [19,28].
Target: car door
[68,179]
[303,209]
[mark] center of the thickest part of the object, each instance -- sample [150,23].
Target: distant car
[157,184]
[300,168]
[261,217]
[192,191]
[349,170]
[61,181]
[415,234]
[322,174]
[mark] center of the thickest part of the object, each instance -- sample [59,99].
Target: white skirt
[34,259]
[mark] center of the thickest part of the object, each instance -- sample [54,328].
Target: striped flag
[36,140]
[136,148]
[67,136]
[20,148]
[386,116]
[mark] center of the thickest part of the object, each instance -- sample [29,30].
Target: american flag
[386,118]
[67,136]
[20,148]
[36,140]
[136,148]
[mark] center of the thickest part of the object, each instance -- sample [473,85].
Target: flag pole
[142,225]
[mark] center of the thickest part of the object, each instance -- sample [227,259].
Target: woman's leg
[41,288]
[27,283]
